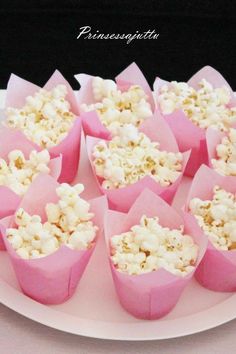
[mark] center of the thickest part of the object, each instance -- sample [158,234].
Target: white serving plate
[94,310]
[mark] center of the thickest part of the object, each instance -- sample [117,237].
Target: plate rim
[200,321]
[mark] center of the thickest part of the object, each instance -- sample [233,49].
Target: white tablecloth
[19,335]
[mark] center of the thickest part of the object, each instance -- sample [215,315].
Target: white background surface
[19,335]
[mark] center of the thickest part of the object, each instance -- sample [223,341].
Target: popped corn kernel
[18,172]
[116,108]
[130,156]
[225,163]
[217,218]
[205,107]
[53,212]
[149,246]
[69,225]
[45,118]
[23,253]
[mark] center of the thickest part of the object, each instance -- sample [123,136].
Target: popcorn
[225,164]
[205,107]
[68,223]
[18,173]
[149,246]
[45,118]
[130,156]
[116,108]
[217,218]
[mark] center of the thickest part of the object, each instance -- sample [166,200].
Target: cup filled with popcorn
[48,117]
[51,237]
[105,105]
[222,151]
[212,201]
[206,100]
[136,159]
[153,252]
[20,164]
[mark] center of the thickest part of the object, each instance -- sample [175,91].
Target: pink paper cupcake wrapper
[151,295]
[217,270]
[188,135]
[121,199]
[18,89]
[52,279]
[10,140]
[92,124]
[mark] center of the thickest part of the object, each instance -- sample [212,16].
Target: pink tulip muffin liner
[217,270]
[52,279]
[11,140]
[122,198]
[17,91]
[188,135]
[151,295]
[92,124]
